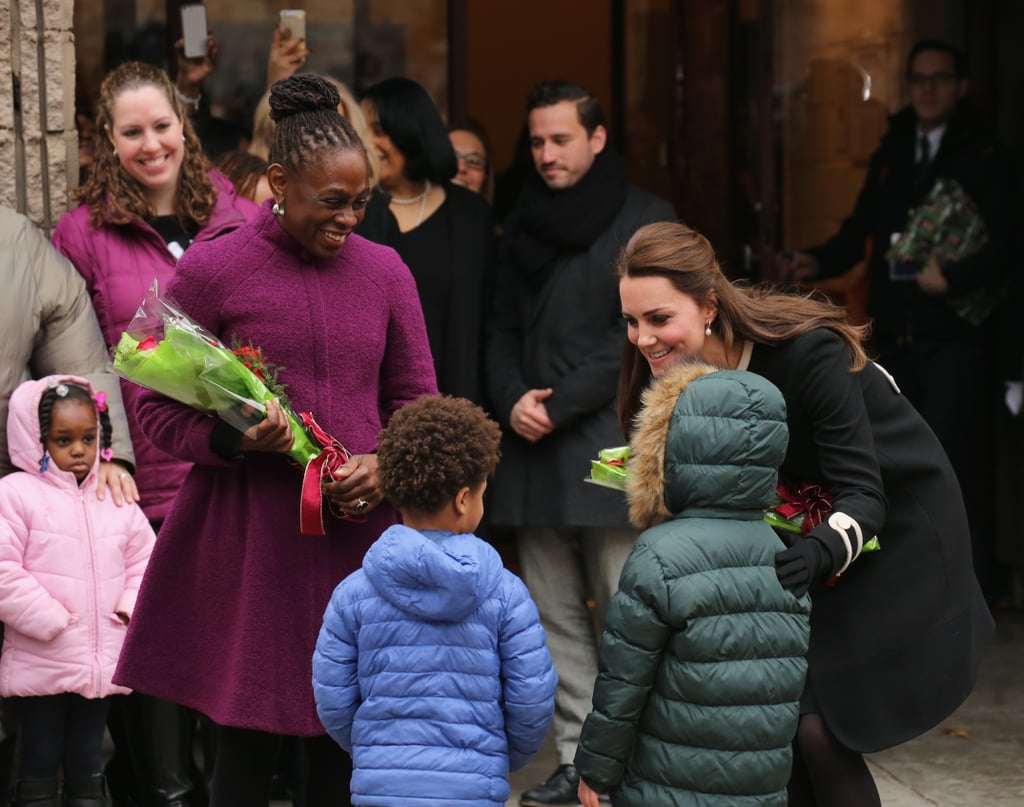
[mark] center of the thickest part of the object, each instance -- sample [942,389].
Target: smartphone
[294,20]
[193,30]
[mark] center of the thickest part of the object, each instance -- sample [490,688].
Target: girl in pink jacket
[70,569]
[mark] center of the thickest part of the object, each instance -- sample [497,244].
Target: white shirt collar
[934,141]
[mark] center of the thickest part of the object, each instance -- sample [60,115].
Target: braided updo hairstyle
[74,392]
[305,109]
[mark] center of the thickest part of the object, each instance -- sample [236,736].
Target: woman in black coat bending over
[896,634]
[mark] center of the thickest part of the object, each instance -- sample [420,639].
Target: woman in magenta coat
[228,616]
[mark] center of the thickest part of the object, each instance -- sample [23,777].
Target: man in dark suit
[941,358]
[555,339]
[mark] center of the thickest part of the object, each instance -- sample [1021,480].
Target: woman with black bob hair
[443,232]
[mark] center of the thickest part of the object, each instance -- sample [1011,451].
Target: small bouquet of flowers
[947,224]
[798,507]
[609,469]
[165,351]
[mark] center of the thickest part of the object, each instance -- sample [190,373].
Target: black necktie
[922,168]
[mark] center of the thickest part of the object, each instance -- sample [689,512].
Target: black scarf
[549,223]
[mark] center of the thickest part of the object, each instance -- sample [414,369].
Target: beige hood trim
[645,484]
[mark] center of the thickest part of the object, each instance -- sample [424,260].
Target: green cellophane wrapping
[609,469]
[194,368]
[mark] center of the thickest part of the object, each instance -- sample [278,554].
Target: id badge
[899,271]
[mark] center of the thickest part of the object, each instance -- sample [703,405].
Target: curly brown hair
[113,196]
[433,448]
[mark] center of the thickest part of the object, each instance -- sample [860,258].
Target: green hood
[706,439]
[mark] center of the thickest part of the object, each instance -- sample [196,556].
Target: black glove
[806,562]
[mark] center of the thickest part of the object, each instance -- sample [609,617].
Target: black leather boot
[86,791]
[160,737]
[37,793]
[559,789]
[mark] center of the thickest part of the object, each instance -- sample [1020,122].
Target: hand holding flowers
[354,482]
[164,350]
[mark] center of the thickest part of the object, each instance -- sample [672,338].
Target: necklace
[413,199]
[421,198]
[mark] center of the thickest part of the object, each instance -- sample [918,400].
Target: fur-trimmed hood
[705,438]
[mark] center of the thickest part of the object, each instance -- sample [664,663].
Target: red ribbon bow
[320,469]
[808,498]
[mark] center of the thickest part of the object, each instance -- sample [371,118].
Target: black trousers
[56,730]
[244,766]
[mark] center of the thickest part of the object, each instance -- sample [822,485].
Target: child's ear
[460,501]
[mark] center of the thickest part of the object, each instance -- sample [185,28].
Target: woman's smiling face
[148,138]
[666,325]
[324,200]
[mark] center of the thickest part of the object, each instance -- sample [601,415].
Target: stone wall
[38,142]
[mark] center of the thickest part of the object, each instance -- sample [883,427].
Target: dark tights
[56,729]
[827,774]
[244,767]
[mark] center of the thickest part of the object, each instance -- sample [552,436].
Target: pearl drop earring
[707,329]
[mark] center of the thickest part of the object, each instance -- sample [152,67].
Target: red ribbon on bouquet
[318,470]
[808,498]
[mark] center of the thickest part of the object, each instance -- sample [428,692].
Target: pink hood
[69,564]
[24,442]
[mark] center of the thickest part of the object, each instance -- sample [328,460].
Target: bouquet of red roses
[165,351]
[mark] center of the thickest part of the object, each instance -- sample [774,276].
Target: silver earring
[277,209]
[707,329]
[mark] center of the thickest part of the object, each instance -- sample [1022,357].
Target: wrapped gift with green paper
[609,469]
[947,224]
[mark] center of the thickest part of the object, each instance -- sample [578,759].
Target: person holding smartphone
[196,59]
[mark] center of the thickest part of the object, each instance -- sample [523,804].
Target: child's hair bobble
[107,454]
[101,401]
[44,463]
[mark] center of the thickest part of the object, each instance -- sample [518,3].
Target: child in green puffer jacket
[703,656]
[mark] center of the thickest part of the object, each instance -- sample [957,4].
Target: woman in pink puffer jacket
[70,570]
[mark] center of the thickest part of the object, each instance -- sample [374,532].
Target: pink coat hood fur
[68,564]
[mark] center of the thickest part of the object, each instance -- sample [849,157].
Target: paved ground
[975,759]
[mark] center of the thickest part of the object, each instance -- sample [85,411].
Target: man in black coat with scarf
[554,346]
[942,360]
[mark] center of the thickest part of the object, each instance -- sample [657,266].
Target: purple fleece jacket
[229,611]
[119,263]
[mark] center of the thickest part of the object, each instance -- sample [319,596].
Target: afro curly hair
[433,448]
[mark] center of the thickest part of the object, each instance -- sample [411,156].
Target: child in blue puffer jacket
[431,667]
